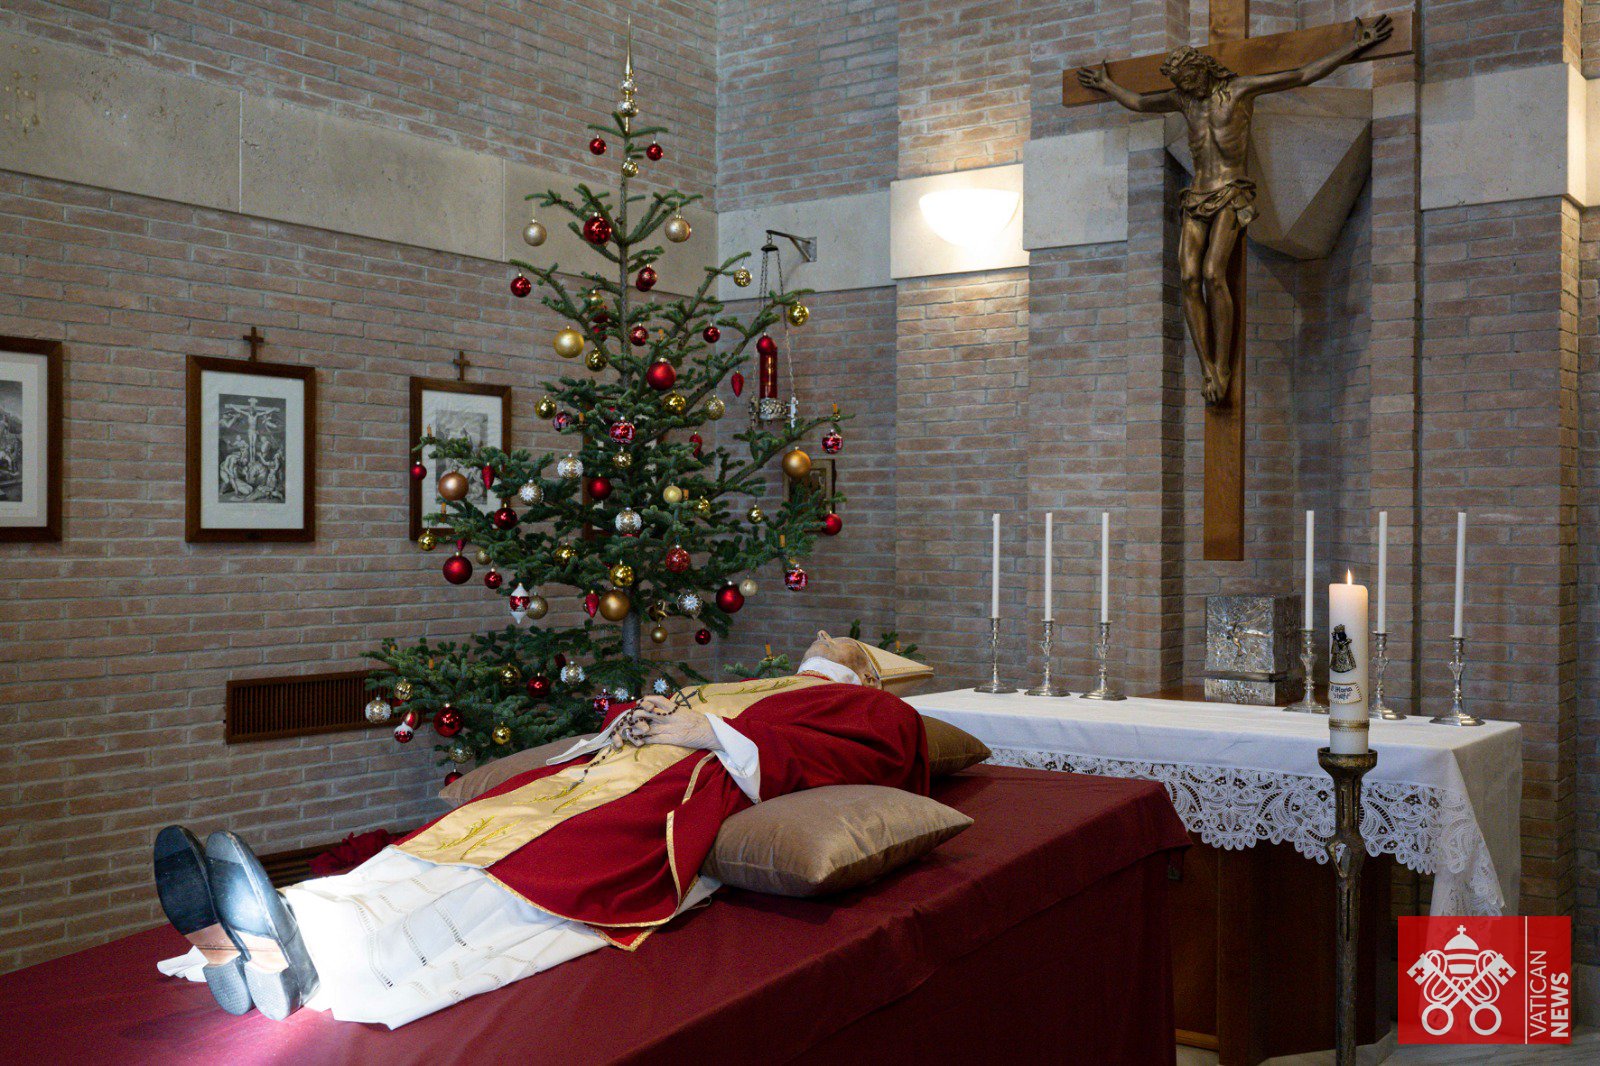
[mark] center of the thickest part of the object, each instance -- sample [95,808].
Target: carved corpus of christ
[1218,104]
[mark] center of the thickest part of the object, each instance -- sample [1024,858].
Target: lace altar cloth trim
[1427,830]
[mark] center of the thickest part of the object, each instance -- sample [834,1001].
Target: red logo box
[1485,980]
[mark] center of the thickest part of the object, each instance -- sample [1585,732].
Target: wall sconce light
[969,218]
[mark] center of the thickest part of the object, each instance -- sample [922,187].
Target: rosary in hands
[659,720]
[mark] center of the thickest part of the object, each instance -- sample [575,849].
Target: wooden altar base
[1253,952]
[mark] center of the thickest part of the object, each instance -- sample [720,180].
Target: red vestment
[625,866]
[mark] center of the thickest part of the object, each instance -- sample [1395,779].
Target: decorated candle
[1383,572]
[1461,567]
[1049,529]
[1105,566]
[1311,566]
[1347,667]
[994,571]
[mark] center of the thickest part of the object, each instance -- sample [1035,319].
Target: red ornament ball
[765,345]
[457,569]
[730,599]
[599,488]
[795,579]
[622,432]
[597,230]
[601,704]
[654,152]
[831,524]
[597,328]
[832,441]
[402,733]
[504,518]
[702,636]
[698,442]
[451,778]
[520,286]
[560,660]
[591,603]
[598,146]
[638,336]
[711,334]
[492,580]
[419,472]
[737,381]
[448,722]
[538,687]
[677,561]
[646,280]
[661,376]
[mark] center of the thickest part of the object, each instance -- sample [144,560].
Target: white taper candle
[1311,566]
[1383,571]
[1049,532]
[994,572]
[1105,566]
[1461,567]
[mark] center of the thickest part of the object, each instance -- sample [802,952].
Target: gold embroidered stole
[483,832]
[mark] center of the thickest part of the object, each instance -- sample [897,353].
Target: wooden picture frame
[251,451]
[30,411]
[822,478]
[430,402]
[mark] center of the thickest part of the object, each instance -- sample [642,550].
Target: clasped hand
[658,720]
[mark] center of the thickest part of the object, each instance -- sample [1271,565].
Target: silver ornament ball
[533,234]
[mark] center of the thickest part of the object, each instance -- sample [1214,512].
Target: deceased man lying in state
[600,847]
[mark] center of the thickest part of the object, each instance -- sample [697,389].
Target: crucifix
[255,339]
[1214,88]
[461,362]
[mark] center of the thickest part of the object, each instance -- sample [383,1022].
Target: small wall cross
[461,362]
[255,339]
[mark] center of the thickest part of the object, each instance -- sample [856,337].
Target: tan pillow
[951,749]
[493,774]
[828,839]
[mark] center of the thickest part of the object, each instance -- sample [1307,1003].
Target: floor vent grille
[271,708]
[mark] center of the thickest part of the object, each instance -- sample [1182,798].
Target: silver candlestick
[1044,687]
[1104,690]
[1457,715]
[1380,662]
[1308,703]
[995,685]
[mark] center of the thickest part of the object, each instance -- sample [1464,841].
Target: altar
[1245,781]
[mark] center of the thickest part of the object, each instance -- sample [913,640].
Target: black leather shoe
[185,891]
[279,971]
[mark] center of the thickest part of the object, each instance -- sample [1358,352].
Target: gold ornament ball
[657,611]
[564,554]
[629,168]
[672,494]
[797,464]
[402,690]
[622,460]
[569,343]
[622,574]
[675,402]
[533,234]
[658,635]
[538,607]
[797,314]
[741,277]
[427,542]
[596,360]
[756,514]
[502,734]
[545,408]
[483,557]
[702,507]
[715,408]
[510,675]
[678,230]
[614,606]
[593,300]
[453,486]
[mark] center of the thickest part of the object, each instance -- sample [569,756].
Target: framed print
[454,409]
[252,451]
[822,480]
[30,439]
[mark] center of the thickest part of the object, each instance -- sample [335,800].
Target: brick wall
[1587,948]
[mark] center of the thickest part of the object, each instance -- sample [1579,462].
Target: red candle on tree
[767,350]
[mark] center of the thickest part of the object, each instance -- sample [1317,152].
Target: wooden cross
[255,339]
[461,362]
[1231,45]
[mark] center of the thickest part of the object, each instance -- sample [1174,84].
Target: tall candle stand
[995,685]
[1458,714]
[1380,663]
[1348,851]
[1104,690]
[1045,687]
[1308,703]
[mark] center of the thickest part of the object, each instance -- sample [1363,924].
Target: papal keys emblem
[1461,975]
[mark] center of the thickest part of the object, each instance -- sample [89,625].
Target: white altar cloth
[1442,800]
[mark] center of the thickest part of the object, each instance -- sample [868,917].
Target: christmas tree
[637,514]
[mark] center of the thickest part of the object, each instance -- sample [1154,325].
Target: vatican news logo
[1485,980]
